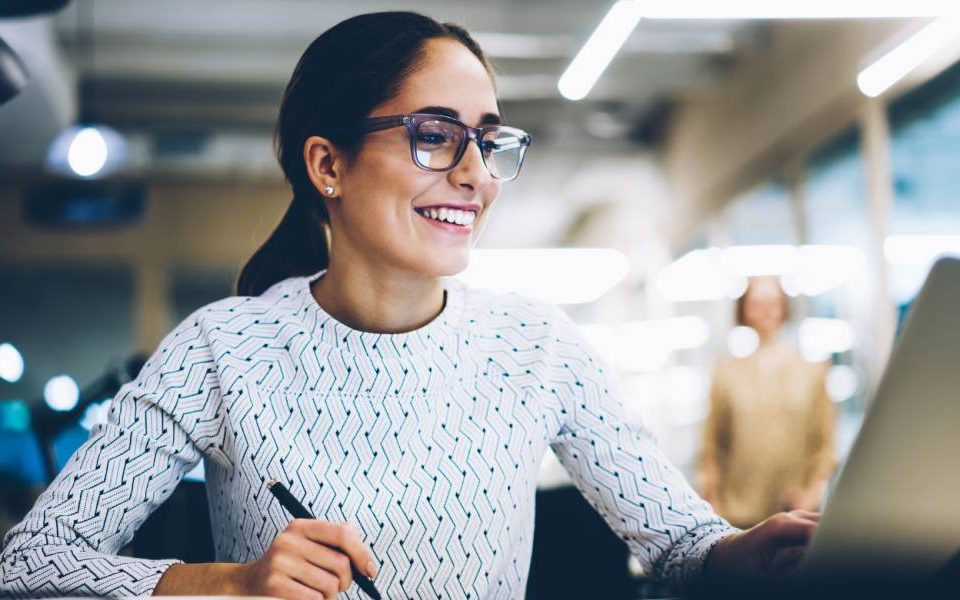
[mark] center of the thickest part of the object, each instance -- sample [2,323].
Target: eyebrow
[487,119]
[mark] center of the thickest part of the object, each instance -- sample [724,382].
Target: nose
[471,172]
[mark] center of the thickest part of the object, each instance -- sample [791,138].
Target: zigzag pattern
[429,441]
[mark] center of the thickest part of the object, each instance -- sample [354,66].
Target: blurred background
[137,175]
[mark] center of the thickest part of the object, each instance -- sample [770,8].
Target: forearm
[34,566]
[206,579]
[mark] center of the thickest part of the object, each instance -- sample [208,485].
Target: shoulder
[515,323]
[281,301]
[483,308]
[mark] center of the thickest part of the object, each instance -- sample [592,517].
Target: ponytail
[297,247]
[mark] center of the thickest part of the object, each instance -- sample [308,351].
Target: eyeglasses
[438,142]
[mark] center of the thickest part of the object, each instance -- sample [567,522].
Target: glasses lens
[502,151]
[438,143]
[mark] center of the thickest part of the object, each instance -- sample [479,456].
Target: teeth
[450,215]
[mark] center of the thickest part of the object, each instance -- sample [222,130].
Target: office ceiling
[182,74]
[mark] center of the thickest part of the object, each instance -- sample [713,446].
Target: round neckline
[384,345]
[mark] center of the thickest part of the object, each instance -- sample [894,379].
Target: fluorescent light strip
[579,78]
[810,9]
[919,249]
[907,56]
[716,273]
[589,64]
[554,275]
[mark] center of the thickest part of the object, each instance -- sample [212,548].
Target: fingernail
[371,569]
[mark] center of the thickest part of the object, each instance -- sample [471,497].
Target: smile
[452,216]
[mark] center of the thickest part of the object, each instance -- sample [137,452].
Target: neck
[378,300]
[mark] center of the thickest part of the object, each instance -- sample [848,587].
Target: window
[925,155]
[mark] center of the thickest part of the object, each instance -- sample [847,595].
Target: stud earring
[328,190]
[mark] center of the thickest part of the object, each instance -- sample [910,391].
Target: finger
[326,558]
[340,536]
[291,589]
[791,531]
[315,578]
[807,514]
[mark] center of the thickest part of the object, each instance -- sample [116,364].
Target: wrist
[715,567]
[219,579]
[234,580]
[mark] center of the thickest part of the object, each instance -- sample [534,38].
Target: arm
[619,469]
[66,544]
[624,475]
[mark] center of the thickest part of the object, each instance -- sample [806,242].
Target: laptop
[894,510]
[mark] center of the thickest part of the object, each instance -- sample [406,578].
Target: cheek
[489,199]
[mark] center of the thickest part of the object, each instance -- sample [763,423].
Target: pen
[298,511]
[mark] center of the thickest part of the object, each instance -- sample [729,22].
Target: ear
[324,163]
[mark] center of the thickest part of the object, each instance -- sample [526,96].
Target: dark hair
[342,76]
[741,317]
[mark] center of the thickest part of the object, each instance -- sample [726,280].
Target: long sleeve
[157,428]
[625,476]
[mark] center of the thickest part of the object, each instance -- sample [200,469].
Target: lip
[448,227]
[456,205]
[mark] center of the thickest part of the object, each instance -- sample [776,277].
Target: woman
[768,442]
[408,412]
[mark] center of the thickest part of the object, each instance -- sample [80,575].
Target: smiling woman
[409,412]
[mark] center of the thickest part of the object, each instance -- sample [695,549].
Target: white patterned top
[430,441]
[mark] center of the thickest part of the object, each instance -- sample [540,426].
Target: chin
[447,266]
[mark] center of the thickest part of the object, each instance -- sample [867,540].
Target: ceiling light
[718,273]
[646,346]
[919,249]
[589,64]
[11,363]
[809,9]
[742,341]
[842,383]
[87,151]
[907,56]
[554,275]
[61,393]
[586,68]
[819,338]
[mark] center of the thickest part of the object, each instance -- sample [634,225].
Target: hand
[310,559]
[764,553]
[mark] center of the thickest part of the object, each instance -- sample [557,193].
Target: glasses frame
[412,122]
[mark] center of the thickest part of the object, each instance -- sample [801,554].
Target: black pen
[298,511]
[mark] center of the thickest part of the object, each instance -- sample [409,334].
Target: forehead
[448,75]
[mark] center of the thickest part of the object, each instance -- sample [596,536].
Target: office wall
[187,224]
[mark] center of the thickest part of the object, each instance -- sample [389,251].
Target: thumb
[790,529]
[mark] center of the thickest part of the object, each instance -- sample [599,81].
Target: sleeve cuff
[683,564]
[148,574]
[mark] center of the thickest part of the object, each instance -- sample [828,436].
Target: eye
[433,135]
[488,147]
[433,138]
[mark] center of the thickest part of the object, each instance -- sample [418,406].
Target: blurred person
[768,441]
[409,412]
